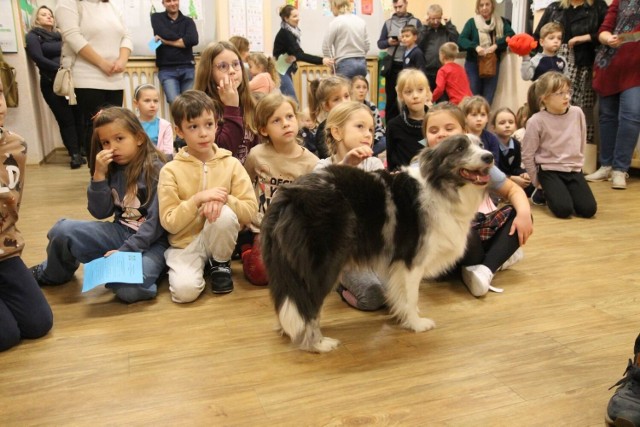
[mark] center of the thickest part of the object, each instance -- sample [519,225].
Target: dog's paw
[421,324]
[326,344]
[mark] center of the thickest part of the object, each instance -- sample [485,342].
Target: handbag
[487,65]
[387,63]
[63,85]
[9,82]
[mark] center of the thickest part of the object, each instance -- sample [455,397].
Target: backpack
[9,82]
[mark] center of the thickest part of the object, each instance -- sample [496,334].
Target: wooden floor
[543,353]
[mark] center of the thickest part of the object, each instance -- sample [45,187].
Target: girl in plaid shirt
[496,234]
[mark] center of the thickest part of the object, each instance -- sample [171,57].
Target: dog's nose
[487,158]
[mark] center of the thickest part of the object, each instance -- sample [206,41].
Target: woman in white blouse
[98,44]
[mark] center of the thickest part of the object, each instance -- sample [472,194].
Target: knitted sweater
[346,38]
[100,26]
[13,151]
[554,142]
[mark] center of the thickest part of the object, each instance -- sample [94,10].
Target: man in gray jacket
[436,32]
[389,40]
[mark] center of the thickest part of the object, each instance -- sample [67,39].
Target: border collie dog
[404,226]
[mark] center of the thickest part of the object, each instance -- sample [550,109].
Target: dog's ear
[474,139]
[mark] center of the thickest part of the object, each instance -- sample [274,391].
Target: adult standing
[174,57]
[484,34]
[44,45]
[94,34]
[617,82]
[580,20]
[287,42]
[347,41]
[436,32]
[389,40]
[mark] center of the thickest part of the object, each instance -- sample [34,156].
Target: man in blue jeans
[174,57]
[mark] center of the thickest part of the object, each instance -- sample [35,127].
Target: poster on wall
[27,9]
[246,20]
[8,40]
[237,18]
[255,25]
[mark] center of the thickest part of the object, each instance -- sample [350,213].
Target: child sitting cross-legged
[205,197]
[124,177]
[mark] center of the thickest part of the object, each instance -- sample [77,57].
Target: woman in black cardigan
[580,20]
[44,46]
[287,41]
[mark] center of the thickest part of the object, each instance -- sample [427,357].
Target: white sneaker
[602,174]
[619,180]
[515,258]
[477,278]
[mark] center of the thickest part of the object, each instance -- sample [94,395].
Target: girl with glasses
[221,75]
[553,147]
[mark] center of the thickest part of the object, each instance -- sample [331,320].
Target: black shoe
[624,406]
[76,161]
[220,274]
[37,272]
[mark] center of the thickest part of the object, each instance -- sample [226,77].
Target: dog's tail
[290,319]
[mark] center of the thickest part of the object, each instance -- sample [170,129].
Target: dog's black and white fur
[404,226]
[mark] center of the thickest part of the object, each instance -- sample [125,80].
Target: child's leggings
[566,193]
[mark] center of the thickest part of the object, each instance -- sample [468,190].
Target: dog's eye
[481,144]
[460,148]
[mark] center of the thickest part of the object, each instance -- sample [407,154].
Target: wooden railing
[142,69]
[307,72]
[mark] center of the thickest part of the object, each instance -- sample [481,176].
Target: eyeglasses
[566,93]
[223,67]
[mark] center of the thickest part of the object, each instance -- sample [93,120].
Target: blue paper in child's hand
[153,44]
[119,267]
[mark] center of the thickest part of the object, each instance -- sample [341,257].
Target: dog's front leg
[402,296]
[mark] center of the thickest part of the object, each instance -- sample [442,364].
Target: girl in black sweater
[404,132]
[44,47]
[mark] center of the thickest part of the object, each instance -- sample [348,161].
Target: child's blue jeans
[73,242]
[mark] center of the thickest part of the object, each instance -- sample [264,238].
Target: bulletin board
[246,19]
[8,40]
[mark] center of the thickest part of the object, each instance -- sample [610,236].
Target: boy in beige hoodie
[205,197]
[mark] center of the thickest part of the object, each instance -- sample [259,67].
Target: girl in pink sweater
[553,147]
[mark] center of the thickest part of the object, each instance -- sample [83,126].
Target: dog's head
[456,161]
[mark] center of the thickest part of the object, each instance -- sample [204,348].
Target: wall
[35,122]
[27,120]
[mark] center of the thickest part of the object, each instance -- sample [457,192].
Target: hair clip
[97,115]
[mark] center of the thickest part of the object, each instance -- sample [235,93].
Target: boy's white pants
[217,240]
